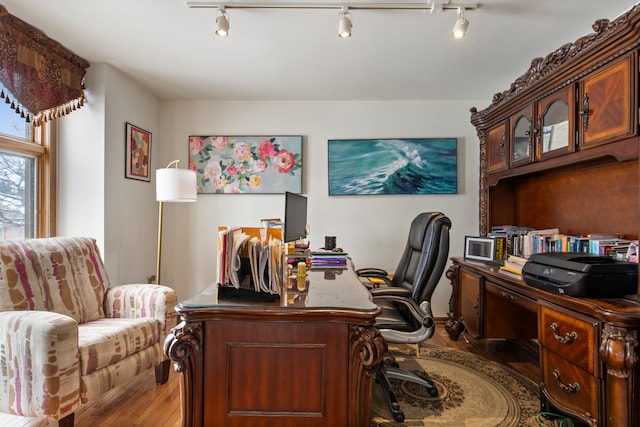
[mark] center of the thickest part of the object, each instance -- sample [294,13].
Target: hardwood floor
[142,403]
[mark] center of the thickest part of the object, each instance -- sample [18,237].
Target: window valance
[38,74]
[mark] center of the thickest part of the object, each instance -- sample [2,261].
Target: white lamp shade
[176,185]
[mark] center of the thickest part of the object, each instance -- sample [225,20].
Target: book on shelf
[514,264]
[509,271]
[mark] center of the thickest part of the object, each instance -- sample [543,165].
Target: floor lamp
[172,185]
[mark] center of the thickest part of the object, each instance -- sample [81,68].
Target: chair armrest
[142,300]
[40,364]
[390,291]
[372,272]
[422,313]
[377,274]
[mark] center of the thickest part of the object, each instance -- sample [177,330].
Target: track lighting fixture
[222,23]
[460,28]
[344,24]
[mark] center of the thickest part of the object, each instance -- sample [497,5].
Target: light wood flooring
[142,403]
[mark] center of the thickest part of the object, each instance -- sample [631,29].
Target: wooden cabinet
[470,286]
[556,123]
[607,103]
[589,366]
[522,137]
[570,374]
[497,147]
[585,180]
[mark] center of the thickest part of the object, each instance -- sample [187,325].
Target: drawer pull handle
[568,338]
[508,296]
[569,388]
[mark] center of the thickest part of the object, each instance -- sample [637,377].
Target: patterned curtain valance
[43,77]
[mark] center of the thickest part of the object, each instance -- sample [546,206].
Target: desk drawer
[570,334]
[568,385]
[507,314]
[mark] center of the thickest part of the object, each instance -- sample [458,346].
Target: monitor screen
[295,217]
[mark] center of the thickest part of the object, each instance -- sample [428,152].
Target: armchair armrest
[422,313]
[142,300]
[40,365]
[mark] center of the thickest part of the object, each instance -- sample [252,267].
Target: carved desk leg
[367,349]
[183,346]
[619,352]
[454,326]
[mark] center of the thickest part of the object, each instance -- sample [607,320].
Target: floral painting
[393,166]
[138,153]
[247,164]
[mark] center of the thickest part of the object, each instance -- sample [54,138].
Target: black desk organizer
[246,290]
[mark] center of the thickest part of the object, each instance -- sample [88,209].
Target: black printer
[579,274]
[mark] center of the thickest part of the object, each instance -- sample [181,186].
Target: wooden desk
[305,361]
[588,348]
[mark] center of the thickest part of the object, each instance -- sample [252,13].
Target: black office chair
[405,298]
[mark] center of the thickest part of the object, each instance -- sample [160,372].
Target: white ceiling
[297,55]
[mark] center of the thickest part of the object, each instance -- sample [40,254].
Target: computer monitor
[295,217]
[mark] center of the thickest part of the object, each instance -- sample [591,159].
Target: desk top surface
[324,289]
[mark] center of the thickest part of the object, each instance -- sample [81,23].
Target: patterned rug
[472,391]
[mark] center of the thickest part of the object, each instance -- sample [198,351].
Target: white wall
[94,197]
[82,164]
[373,229]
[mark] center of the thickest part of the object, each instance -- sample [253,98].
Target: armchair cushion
[106,341]
[62,274]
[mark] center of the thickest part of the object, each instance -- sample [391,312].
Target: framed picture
[393,166]
[479,248]
[246,164]
[137,153]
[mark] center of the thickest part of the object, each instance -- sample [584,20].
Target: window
[27,190]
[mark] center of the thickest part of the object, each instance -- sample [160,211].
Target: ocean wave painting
[393,166]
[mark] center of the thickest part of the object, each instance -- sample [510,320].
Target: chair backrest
[61,274]
[425,255]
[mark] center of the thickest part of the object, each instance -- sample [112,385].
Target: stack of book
[328,259]
[513,265]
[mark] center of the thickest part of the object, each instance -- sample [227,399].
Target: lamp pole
[172,185]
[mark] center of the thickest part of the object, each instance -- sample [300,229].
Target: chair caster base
[398,416]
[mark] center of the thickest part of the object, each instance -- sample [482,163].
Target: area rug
[472,391]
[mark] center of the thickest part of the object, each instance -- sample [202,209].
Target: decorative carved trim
[619,350]
[367,346]
[541,68]
[453,326]
[483,226]
[366,350]
[183,346]
[183,343]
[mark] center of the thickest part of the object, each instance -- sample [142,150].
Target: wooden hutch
[559,149]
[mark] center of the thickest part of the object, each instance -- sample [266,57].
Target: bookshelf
[559,149]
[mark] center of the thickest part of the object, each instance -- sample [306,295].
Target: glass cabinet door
[522,137]
[555,124]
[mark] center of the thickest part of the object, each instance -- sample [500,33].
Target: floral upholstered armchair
[66,335]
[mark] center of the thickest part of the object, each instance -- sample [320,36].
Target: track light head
[344,24]
[460,28]
[222,23]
